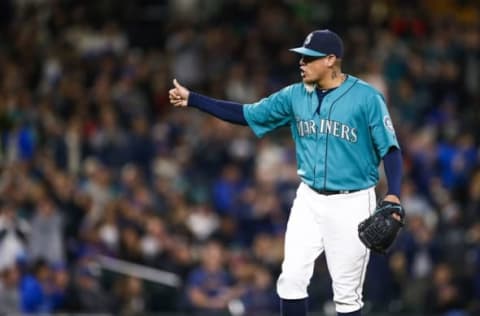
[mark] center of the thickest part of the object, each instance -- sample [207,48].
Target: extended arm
[228,111]
[225,110]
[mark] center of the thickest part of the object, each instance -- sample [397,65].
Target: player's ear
[331,60]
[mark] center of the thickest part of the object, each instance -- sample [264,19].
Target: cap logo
[308,39]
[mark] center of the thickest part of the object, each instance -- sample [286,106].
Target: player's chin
[307,80]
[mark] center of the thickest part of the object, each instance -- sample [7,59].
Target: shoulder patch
[388,123]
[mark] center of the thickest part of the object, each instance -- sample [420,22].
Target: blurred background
[114,203]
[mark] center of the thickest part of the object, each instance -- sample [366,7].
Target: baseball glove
[378,232]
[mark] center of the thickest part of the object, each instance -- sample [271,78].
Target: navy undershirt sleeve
[228,111]
[393,165]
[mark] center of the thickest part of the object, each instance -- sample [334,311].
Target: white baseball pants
[320,223]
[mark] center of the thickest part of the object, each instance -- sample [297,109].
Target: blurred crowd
[95,162]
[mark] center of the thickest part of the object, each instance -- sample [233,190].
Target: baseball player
[342,130]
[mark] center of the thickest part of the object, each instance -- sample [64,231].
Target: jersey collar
[344,87]
[335,94]
[310,87]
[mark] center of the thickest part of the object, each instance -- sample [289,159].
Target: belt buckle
[344,191]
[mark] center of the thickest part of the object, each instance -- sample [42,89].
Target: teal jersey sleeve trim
[251,123]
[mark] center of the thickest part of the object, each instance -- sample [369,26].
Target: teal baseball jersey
[340,142]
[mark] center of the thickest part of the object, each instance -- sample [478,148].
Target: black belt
[332,192]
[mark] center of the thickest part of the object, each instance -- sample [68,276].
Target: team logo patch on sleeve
[388,123]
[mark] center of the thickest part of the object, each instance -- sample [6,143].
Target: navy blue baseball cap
[321,43]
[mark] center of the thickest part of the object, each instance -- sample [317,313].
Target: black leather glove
[379,231]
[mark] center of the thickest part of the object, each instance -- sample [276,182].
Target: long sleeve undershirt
[393,165]
[228,111]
